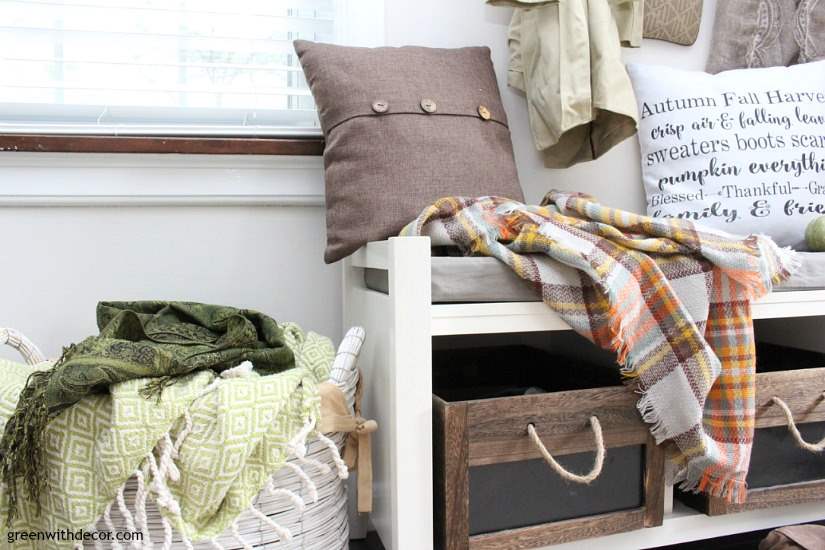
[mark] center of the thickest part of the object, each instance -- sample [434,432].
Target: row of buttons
[428,106]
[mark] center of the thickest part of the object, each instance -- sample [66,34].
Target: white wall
[57,261]
[246,231]
[615,178]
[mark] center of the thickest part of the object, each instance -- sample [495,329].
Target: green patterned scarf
[159,340]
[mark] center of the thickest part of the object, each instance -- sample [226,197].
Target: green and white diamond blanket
[202,452]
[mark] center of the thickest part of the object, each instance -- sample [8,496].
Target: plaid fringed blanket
[671,299]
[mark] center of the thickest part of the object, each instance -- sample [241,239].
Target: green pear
[815,235]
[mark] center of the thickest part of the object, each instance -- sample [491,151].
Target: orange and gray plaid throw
[670,298]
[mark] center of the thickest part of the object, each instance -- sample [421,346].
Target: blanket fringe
[237,534]
[311,488]
[283,533]
[296,500]
[141,520]
[340,465]
[647,409]
[298,444]
[789,259]
[777,264]
[163,468]
[645,405]
[124,510]
[110,525]
[22,442]
[732,490]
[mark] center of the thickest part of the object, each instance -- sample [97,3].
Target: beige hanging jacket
[565,55]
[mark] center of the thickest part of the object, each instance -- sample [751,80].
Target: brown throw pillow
[404,127]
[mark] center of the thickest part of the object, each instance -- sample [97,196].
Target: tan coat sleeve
[565,55]
[515,69]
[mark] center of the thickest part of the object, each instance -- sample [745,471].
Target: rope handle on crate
[598,464]
[31,354]
[813,447]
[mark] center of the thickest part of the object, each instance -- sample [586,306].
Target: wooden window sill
[54,143]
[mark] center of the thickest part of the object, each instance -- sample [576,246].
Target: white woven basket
[322,525]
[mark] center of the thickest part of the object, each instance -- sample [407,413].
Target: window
[168,67]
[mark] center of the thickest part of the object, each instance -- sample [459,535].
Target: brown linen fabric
[674,21]
[795,537]
[386,156]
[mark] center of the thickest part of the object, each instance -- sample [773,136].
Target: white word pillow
[742,151]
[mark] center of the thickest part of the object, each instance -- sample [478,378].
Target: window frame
[194,145]
[357,17]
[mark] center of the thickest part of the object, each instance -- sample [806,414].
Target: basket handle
[344,371]
[31,354]
[561,470]
[813,447]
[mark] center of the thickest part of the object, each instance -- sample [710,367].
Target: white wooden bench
[397,364]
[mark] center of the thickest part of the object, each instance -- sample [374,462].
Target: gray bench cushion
[462,279]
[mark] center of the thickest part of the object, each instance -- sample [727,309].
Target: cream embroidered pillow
[742,151]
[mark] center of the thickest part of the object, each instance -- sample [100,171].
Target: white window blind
[168,67]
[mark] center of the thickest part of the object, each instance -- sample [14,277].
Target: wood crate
[493,489]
